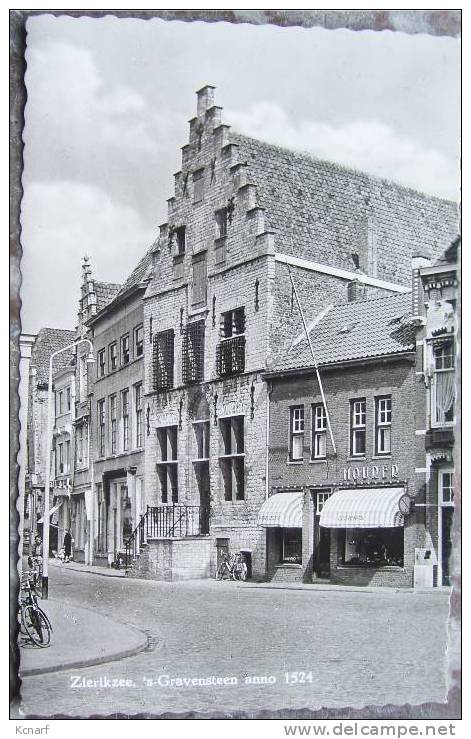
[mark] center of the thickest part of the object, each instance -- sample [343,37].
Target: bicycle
[234,566]
[34,623]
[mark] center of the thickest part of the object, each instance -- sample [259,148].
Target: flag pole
[314,360]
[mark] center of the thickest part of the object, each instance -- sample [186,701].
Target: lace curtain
[444,394]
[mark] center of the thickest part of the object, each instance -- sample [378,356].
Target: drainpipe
[267,441]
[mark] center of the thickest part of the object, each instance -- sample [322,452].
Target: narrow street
[355,648]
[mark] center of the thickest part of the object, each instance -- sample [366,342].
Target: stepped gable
[50,340]
[357,330]
[318,207]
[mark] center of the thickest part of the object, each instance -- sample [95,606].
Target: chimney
[356,290]
[205,98]
[418,309]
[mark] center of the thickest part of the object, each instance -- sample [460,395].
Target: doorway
[323,560]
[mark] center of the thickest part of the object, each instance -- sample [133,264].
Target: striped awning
[365,508]
[283,510]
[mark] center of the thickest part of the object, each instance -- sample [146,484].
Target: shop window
[446,487]
[319,432]
[193,352]
[374,547]
[198,186]
[138,341]
[199,292]
[113,356]
[358,427]
[230,352]
[443,384]
[221,222]
[113,424]
[163,360]
[101,428]
[232,459]
[101,363]
[383,417]
[138,413]
[125,417]
[291,546]
[167,466]
[296,433]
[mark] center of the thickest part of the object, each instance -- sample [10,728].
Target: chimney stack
[356,290]
[205,98]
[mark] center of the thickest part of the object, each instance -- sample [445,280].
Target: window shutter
[163,356]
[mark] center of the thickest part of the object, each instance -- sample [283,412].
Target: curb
[105,572]
[92,661]
[346,589]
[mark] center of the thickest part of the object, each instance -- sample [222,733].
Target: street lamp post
[90,359]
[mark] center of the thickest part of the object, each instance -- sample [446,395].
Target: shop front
[282,518]
[371,539]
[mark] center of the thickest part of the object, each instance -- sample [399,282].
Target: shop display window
[291,546]
[374,547]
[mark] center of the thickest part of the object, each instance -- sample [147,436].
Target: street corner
[80,638]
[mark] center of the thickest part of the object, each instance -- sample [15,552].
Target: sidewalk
[80,638]
[79,567]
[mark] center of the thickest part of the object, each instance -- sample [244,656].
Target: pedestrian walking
[67,545]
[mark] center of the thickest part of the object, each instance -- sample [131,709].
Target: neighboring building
[219,311]
[62,444]
[95,295]
[346,514]
[438,365]
[48,340]
[108,485]
[117,441]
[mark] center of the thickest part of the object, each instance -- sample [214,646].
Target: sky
[108,107]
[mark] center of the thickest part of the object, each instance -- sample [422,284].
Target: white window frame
[296,430]
[319,430]
[383,421]
[321,497]
[357,423]
[433,384]
[442,504]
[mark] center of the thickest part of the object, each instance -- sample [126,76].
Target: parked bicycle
[233,566]
[34,623]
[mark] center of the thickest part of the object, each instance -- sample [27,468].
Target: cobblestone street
[359,648]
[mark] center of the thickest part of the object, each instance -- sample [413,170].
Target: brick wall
[173,559]
[393,377]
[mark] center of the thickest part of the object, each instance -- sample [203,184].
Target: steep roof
[50,340]
[357,330]
[105,292]
[139,273]
[320,206]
